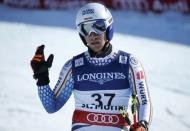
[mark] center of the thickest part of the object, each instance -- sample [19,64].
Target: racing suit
[100,87]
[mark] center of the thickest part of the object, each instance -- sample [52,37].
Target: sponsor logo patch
[88,11]
[101,78]
[143,97]
[134,61]
[122,59]
[79,62]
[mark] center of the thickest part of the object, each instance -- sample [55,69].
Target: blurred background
[156,31]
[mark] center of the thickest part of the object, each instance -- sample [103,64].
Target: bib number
[98,98]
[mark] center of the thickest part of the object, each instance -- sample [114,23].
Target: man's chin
[96,46]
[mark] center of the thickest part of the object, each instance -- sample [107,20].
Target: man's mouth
[95,43]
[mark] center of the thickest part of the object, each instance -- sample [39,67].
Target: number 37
[98,98]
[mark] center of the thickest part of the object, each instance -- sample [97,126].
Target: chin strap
[106,50]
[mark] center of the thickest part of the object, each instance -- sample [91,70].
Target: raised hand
[40,66]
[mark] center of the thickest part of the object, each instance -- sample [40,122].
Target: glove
[141,126]
[40,66]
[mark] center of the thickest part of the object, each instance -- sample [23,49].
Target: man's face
[95,42]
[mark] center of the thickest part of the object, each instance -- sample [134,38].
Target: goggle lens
[98,27]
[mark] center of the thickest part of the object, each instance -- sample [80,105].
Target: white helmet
[94,12]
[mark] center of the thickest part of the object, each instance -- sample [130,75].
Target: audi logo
[101,118]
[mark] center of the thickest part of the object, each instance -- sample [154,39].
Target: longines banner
[141,5]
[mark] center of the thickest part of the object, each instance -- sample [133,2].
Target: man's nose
[93,35]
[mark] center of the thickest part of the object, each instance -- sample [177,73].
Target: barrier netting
[141,5]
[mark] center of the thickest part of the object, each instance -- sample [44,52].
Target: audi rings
[103,118]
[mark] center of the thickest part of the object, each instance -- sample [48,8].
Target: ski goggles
[97,26]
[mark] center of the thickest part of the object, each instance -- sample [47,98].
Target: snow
[161,42]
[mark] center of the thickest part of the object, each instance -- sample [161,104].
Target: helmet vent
[88,18]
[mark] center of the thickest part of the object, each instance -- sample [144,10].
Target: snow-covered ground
[161,42]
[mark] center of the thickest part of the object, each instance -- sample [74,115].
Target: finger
[50,60]
[40,50]
[39,54]
[38,58]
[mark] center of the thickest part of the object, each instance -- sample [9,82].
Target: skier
[101,79]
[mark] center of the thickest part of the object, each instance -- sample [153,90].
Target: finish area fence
[157,6]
